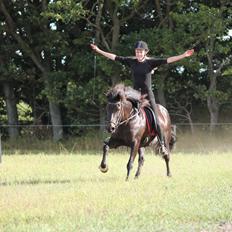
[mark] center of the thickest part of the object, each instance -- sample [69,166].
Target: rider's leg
[159,129]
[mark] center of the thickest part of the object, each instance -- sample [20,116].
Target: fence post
[0,148]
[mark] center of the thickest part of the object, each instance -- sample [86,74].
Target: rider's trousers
[151,98]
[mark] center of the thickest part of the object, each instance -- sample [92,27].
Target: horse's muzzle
[111,128]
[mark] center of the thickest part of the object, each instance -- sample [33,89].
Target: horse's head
[114,115]
[121,101]
[116,99]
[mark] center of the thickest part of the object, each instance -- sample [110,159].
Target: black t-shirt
[141,71]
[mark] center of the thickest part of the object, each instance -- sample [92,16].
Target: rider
[142,67]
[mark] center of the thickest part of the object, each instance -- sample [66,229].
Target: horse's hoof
[136,177]
[104,169]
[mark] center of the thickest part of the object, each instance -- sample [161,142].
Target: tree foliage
[46,56]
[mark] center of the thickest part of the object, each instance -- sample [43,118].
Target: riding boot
[163,147]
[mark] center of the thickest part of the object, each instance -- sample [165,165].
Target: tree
[58,75]
[208,26]
[8,78]
[32,43]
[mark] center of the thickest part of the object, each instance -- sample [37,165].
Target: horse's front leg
[140,161]
[133,152]
[103,166]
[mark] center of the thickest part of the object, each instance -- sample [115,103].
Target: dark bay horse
[128,125]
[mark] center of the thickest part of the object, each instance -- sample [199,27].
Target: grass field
[67,193]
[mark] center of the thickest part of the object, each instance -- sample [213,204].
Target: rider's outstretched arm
[106,54]
[180,57]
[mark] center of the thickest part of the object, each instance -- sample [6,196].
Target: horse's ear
[123,97]
[109,96]
[118,97]
[122,94]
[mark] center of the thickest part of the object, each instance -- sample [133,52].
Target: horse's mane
[120,92]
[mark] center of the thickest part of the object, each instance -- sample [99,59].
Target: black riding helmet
[141,45]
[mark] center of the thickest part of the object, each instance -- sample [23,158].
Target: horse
[128,124]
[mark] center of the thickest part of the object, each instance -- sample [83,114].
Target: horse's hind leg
[167,158]
[140,161]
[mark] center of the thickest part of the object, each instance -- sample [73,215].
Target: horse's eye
[118,105]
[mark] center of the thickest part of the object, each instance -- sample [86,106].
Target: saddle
[151,123]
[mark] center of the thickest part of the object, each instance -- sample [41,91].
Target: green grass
[67,193]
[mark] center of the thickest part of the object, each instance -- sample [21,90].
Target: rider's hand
[94,47]
[189,53]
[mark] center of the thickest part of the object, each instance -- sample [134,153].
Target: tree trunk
[213,108]
[159,11]
[116,24]
[160,91]
[12,114]
[190,122]
[161,97]
[57,127]
[212,101]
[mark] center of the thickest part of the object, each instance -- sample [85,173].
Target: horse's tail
[172,140]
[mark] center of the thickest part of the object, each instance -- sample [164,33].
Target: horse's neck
[128,109]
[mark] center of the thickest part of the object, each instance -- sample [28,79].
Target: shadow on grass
[54,182]
[34,182]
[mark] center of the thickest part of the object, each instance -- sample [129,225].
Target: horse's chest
[127,134]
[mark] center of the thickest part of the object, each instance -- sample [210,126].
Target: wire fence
[45,131]
[198,137]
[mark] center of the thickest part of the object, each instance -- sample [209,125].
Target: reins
[131,117]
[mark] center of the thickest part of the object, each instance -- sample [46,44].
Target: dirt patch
[225,227]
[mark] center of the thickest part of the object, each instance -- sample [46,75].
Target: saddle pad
[150,120]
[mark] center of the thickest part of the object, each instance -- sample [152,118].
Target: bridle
[133,113]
